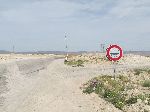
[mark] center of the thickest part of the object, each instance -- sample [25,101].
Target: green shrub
[146,83]
[123,78]
[131,100]
[137,71]
[88,90]
[149,101]
[148,71]
[146,110]
[116,98]
[114,91]
[78,63]
[107,88]
[142,97]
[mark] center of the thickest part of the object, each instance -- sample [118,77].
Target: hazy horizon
[63,51]
[41,25]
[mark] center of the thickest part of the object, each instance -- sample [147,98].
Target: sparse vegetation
[148,71]
[146,83]
[146,110]
[73,63]
[90,58]
[115,91]
[143,97]
[131,100]
[109,89]
[139,71]
[125,91]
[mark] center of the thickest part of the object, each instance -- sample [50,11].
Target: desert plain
[45,83]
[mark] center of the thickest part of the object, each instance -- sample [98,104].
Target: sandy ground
[47,85]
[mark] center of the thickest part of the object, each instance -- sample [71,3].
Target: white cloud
[131,8]
[86,21]
[39,10]
[57,9]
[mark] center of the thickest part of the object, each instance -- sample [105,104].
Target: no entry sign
[114,53]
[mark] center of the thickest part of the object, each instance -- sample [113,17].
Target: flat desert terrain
[43,83]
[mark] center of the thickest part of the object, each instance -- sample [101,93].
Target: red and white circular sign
[114,53]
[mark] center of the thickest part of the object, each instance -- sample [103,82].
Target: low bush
[131,100]
[121,90]
[113,91]
[78,63]
[146,83]
[115,97]
[137,71]
[109,89]
[148,71]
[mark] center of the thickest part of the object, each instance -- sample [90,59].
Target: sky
[41,25]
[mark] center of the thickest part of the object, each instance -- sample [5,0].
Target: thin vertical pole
[66,47]
[114,69]
[102,48]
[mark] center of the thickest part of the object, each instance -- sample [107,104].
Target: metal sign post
[102,48]
[66,47]
[114,69]
[114,53]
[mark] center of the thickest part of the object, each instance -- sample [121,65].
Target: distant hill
[43,52]
[142,53]
[52,52]
[4,52]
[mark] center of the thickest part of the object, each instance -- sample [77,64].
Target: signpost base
[114,69]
